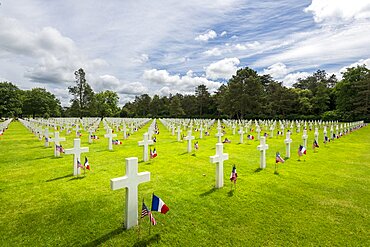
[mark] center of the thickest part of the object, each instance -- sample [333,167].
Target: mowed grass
[322,201]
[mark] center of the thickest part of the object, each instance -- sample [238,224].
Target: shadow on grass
[208,192]
[230,193]
[77,178]
[258,170]
[104,238]
[194,155]
[184,153]
[148,241]
[58,178]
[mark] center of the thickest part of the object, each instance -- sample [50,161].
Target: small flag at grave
[250,137]
[87,165]
[80,165]
[59,148]
[153,153]
[326,139]
[278,158]
[234,175]
[152,220]
[144,210]
[159,205]
[116,142]
[315,144]
[196,145]
[301,150]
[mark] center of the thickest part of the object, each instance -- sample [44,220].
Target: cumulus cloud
[360,62]
[280,72]
[110,82]
[223,33]
[56,56]
[177,83]
[222,69]
[207,36]
[335,10]
[277,70]
[292,78]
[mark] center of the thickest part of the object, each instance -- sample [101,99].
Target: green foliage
[353,94]
[322,201]
[83,101]
[175,107]
[107,104]
[38,102]
[10,100]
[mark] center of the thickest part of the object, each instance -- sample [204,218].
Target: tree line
[246,95]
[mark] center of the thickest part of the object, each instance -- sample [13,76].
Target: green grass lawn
[322,201]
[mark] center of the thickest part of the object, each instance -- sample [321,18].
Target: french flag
[159,205]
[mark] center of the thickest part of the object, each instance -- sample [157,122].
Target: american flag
[152,220]
[234,174]
[315,144]
[144,211]
[278,158]
[80,165]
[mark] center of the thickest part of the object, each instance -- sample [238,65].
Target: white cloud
[110,82]
[230,48]
[207,36]
[360,62]
[143,58]
[280,72]
[177,83]
[336,10]
[213,52]
[55,56]
[223,33]
[292,78]
[277,70]
[322,46]
[224,68]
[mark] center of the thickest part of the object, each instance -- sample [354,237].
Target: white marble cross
[262,148]
[130,182]
[287,141]
[241,132]
[76,151]
[173,130]
[219,159]
[189,138]
[145,143]
[219,134]
[201,132]
[90,134]
[258,130]
[47,137]
[124,129]
[77,130]
[233,127]
[272,131]
[316,134]
[178,133]
[110,135]
[305,137]
[57,141]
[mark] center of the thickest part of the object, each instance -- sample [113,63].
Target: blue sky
[163,47]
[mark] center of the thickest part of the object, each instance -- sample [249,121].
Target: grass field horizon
[320,201]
